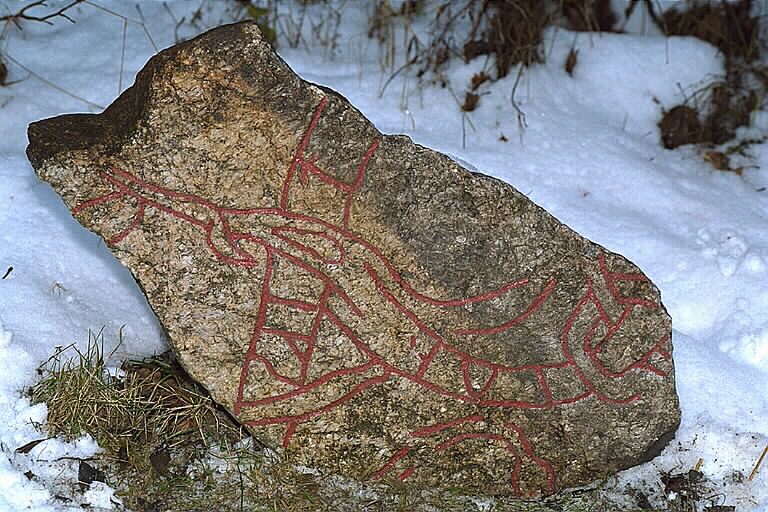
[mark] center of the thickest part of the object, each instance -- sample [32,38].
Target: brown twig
[22,15]
[757,466]
[522,124]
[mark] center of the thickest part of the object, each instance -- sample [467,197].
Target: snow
[589,153]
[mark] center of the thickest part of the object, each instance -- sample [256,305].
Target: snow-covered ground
[590,154]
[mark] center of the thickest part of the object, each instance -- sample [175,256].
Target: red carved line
[358,181]
[380,256]
[612,329]
[351,188]
[590,348]
[362,347]
[278,232]
[544,386]
[236,238]
[232,240]
[207,227]
[309,166]
[611,277]
[392,461]
[432,429]
[97,201]
[332,405]
[587,346]
[300,150]
[653,369]
[291,337]
[435,302]
[466,370]
[399,279]
[292,303]
[589,297]
[524,441]
[302,355]
[531,309]
[375,359]
[390,268]
[405,474]
[426,359]
[601,312]
[665,354]
[480,401]
[641,364]
[136,219]
[287,334]
[600,396]
[245,261]
[261,316]
[123,190]
[289,434]
[270,370]
[528,449]
[302,147]
[432,334]
[259,324]
[322,307]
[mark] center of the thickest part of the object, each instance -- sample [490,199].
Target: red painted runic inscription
[314,245]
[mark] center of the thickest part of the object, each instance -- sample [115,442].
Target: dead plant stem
[22,15]
[759,462]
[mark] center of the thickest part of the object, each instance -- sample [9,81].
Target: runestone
[362,304]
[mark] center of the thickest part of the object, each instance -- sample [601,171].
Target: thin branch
[521,122]
[22,14]
[122,58]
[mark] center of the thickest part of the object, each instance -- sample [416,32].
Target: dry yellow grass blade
[758,463]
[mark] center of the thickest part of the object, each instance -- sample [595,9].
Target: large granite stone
[363,304]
